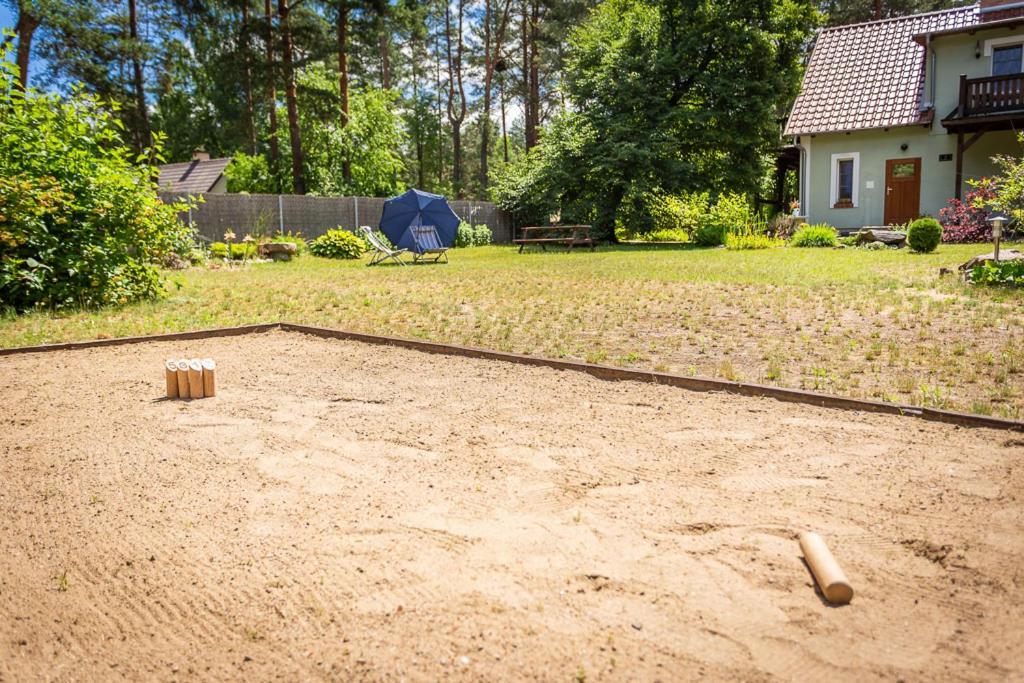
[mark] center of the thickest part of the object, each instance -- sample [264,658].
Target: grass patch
[853,322]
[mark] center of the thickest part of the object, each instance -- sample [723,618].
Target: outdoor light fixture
[977,49]
[997,221]
[904,146]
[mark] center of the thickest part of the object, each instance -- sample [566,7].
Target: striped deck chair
[381,251]
[428,244]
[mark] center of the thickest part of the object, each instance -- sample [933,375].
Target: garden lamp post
[997,221]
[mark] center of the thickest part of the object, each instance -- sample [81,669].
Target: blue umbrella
[415,208]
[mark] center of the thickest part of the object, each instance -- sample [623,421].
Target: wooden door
[902,190]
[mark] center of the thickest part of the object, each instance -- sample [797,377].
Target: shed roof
[191,177]
[870,75]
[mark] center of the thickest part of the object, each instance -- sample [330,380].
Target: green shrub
[742,242]
[239,250]
[731,214]
[482,235]
[464,235]
[815,236]
[924,235]
[1009,273]
[338,243]
[710,234]
[80,222]
[467,235]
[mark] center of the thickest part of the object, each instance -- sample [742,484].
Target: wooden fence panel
[262,214]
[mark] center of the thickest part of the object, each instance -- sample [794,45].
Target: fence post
[355,201]
[280,214]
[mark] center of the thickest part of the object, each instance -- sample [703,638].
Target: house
[202,175]
[894,116]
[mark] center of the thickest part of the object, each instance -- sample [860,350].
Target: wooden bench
[568,235]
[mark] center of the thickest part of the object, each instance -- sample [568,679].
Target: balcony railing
[991,95]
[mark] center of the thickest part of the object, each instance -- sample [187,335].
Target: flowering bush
[967,220]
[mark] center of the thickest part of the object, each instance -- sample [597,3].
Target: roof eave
[925,120]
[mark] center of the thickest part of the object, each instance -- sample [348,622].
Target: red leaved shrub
[967,220]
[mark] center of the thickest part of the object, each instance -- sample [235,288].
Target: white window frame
[834,185]
[1005,41]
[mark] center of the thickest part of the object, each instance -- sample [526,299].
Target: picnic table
[543,235]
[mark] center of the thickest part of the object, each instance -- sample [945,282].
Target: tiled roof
[191,176]
[869,75]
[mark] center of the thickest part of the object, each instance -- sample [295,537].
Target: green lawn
[854,322]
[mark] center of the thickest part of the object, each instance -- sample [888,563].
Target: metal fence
[313,216]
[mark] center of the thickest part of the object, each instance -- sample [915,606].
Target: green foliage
[924,235]
[250,174]
[1010,273]
[370,143]
[731,214]
[464,236]
[670,97]
[742,242]
[338,243]
[240,251]
[482,235]
[815,236]
[467,235]
[80,222]
[218,250]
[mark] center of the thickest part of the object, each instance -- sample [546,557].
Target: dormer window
[1007,60]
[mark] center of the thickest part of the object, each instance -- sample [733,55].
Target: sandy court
[342,510]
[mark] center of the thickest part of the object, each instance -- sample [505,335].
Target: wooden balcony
[990,95]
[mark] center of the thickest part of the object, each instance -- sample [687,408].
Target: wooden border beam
[603,372]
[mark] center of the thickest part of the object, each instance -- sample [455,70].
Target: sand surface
[345,511]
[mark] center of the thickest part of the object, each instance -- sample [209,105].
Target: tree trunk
[271,94]
[529,125]
[250,116]
[343,10]
[504,125]
[534,75]
[485,120]
[384,47]
[456,113]
[25,29]
[291,98]
[143,135]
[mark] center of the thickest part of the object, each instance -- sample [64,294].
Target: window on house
[1007,60]
[844,192]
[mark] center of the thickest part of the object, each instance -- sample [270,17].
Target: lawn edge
[604,372]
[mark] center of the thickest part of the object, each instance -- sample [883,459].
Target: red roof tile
[869,75]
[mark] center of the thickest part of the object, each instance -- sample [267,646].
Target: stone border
[603,372]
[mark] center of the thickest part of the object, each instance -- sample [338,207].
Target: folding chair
[428,243]
[382,252]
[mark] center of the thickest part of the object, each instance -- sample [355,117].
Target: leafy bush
[815,236]
[1001,273]
[218,250]
[924,235]
[482,235]
[742,242]
[467,235]
[80,222]
[967,220]
[338,243]
[240,251]
[731,214]
[464,235]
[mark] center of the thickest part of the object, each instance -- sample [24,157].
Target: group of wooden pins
[195,378]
